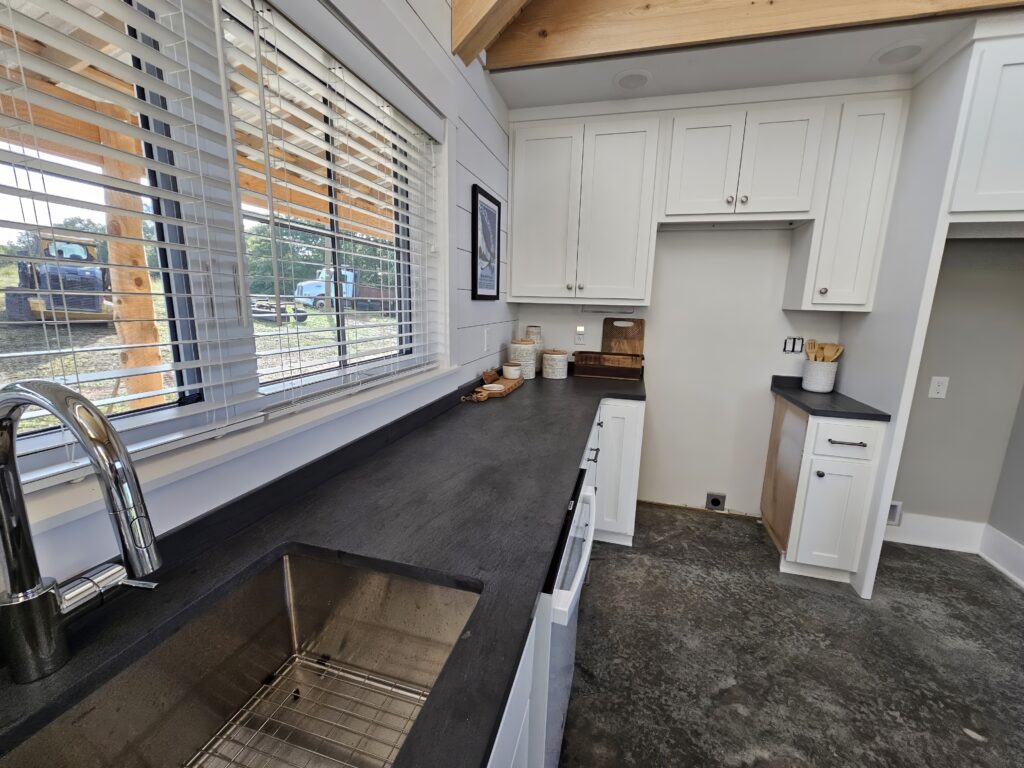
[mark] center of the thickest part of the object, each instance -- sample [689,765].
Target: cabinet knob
[823,291]
[743,198]
[730,199]
[568,286]
[819,473]
[579,286]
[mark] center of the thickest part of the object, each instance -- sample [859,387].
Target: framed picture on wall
[486,260]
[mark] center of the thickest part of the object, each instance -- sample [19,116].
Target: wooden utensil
[836,352]
[811,348]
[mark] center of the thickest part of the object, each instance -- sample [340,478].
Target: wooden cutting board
[623,335]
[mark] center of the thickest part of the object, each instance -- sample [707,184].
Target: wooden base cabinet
[620,436]
[817,489]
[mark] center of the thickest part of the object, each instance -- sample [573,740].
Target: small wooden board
[623,335]
[480,394]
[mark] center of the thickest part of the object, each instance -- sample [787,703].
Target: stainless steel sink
[312,662]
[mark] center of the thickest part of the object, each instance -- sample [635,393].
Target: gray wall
[955,447]
[1008,507]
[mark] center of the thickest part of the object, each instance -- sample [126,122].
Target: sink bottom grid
[316,714]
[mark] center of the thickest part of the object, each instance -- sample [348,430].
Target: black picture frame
[486,258]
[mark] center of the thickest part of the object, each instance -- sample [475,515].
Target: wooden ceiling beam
[549,31]
[477,23]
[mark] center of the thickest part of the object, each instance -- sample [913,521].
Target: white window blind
[117,228]
[204,216]
[336,191]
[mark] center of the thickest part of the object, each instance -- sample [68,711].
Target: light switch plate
[580,339]
[937,388]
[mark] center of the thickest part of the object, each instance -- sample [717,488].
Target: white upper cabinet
[855,215]
[547,173]
[704,163]
[760,159]
[780,156]
[616,239]
[991,172]
[582,211]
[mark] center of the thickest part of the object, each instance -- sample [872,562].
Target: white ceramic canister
[556,364]
[522,351]
[533,333]
[819,376]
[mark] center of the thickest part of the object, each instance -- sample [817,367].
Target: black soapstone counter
[473,493]
[831,404]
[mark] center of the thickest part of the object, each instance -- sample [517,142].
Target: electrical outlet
[487,339]
[715,501]
[580,338]
[937,388]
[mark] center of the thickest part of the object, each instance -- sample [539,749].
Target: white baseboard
[937,532]
[1004,554]
[814,571]
[610,537]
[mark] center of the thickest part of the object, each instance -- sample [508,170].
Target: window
[101,204]
[203,215]
[336,198]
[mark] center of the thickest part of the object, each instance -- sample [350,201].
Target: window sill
[175,457]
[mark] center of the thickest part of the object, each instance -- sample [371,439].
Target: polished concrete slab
[693,650]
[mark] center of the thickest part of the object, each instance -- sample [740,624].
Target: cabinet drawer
[848,441]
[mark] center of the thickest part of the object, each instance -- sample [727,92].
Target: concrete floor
[693,650]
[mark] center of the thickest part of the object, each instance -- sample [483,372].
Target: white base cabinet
[512,744]
[817,490]
[620,436]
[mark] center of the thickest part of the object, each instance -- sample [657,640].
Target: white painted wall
[713,341]
[71,528]
[883,347]
[955,446]
[1008,505]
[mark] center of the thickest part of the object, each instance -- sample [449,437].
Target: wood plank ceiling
[521,33]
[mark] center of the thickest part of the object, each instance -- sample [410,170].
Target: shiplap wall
[481,154]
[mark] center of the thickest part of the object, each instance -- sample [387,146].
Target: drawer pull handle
[597,452]
[858,444]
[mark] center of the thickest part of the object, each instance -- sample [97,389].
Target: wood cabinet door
[855,214]
[704,162]
[835,507]
[546,177]
[991,172]
[618,466]
[616,241]
[780,155]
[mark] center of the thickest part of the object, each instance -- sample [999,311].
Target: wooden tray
[623,335]
[480,394]
[608,365]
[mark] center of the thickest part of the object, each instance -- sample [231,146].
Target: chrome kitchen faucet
[34,609]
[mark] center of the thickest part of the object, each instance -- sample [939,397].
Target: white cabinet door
[546,179]
[780,156]
[855,214]
[512,744]
[991,173]
[835,506]
[616,240]
[704,163]
[618,469]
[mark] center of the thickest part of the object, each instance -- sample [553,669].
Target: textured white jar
[556,364]
[533,333]
[819,376]
[524,352]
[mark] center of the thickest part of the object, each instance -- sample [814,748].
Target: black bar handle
[859,444]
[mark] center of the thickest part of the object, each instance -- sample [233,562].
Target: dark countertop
[833,404]
[448,497]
